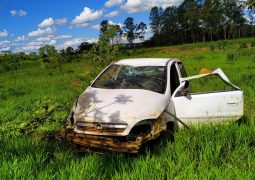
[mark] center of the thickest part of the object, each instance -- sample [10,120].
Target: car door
[216,105]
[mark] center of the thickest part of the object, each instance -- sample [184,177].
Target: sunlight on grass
[34,106]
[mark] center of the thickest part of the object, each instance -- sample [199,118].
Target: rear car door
[210,105]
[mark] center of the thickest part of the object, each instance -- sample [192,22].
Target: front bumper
[103,143]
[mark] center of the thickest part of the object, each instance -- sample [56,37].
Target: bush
[212,48]
[222,45]
[252,44]
[243,45]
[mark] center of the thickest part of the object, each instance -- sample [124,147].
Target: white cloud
[5,48]
[27,48]
[113,23]
[46,23]
[112,14]
[82,25]
[76,42]
[13,12]
[42,39]
[18,13]
[111,3]
[96,26]
[20,38]
[86,16]
[36,43]
[4,43]
[42,32]
[42,43]
[3,33]
[61,21]
[22,13]
[135,6]
[63,37]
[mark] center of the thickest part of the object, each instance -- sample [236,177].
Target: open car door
[216,105]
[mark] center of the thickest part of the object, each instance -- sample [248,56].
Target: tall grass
[34,106]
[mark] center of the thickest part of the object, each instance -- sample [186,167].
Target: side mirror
[182,90]
[186,85]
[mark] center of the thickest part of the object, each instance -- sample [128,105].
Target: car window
[212,83]
[182,69]
[174,78]
[151,78]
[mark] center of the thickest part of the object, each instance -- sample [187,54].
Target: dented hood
[127,106]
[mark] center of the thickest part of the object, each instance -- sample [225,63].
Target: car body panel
[118,106]
[209,107]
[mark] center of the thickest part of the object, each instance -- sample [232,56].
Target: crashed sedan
[136,100]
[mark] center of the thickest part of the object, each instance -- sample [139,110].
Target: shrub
[212,47]
[243,45]
[222,45]
[252,44]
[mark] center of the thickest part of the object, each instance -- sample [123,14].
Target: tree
[69,52]
[130,28]
[211,14]
[85,46]
[156,23]
[50,57]
[192,16]
[140,30]
[170,25]
[104,25]
[107,45]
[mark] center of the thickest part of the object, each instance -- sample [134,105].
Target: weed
[230,57]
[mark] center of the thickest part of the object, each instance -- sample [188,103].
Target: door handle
[232,103]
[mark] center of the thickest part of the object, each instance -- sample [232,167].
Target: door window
[182,69]
[174,78]
[207,84]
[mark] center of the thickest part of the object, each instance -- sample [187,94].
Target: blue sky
[25,25]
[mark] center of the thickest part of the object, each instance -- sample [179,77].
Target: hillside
[34,105]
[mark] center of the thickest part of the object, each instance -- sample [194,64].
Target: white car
[134,100]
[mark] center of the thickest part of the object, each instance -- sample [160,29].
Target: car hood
[124,106]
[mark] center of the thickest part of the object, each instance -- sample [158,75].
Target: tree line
[200,21]
[192,21]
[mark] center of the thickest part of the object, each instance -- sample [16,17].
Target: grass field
[34,105]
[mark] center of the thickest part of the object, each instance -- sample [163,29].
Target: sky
[26,25]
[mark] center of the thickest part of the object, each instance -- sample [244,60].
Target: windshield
[151,78]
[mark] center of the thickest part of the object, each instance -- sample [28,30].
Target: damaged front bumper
[103,143]
[131,143]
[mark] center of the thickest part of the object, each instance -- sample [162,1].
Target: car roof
[145,61]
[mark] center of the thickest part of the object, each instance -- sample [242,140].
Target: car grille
[94,127]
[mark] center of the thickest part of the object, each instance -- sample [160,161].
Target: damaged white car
[134,100]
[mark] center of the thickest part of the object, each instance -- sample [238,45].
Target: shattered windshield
[151,78]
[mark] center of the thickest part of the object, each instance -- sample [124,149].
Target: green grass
[34,106]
